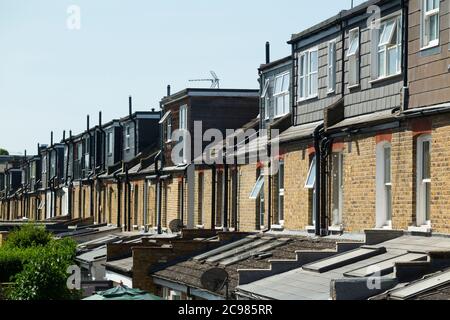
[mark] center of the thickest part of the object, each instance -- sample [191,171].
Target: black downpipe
[127,199]
[269,191]
[225,197]
[182,198]
[213,200]
[130,110]
[318,186]
[405,36]
[119,196]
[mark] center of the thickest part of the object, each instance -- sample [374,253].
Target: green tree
[44,277]
[4,152]
[28,236]
[36,262]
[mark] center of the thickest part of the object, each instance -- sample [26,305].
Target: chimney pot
[168,90]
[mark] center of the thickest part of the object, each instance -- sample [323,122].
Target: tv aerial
[215,81]
[176,225]
[215,279]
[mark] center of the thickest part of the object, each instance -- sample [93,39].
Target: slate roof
[312,281]
[189,272]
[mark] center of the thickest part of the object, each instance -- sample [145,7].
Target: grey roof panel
[422,286]
[386,266]
[270,246]
[224,248]
[343,259]
[238,250]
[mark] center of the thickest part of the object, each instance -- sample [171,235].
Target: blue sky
[52,77]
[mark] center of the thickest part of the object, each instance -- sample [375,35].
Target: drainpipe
[128,199]
[119,195]
[405,36]
[213,198]
[130,110]
[158,194]
[225,197]
[317,137]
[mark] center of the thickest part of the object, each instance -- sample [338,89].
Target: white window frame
[422,205]
[183,126]
[312,171]
[383,187]
[340,185]
[331,70]
[384,47]
[353,55]
[127,138]
[281,190]
[109,143]
[284,94]
[265,88]
[311,186]
[425,26]
[305,75]
[259,185]
[183,117]
[168,124]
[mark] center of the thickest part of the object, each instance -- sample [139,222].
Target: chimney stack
[100,119]
[64,135]
[87,123]
[168,90]
[130,105]
[51,138]
[267,52]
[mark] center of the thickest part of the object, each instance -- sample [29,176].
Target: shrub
[29,235]
[43,278]
[37,264]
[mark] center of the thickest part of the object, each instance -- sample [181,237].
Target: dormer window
[430,23]
[353,57]
[389,48]
[281,95]
[109,143]
[308,80]
[127,138]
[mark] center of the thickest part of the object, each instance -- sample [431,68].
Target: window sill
[375,81]
[310,229]
[336,228]
[308,98]
[277,227]
[354,86]
[330,92]
[430,46]
[421,229]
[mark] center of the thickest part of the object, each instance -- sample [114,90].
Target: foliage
[29,235]
[4,152]
[37,264]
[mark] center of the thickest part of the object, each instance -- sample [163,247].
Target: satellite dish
[176,225]
[214,279]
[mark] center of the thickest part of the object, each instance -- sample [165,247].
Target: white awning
[165,117]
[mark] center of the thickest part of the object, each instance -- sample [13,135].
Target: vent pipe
[130,105]
[267,52]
